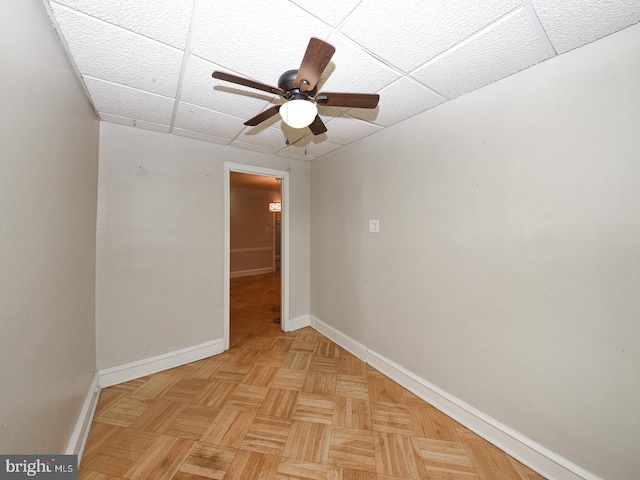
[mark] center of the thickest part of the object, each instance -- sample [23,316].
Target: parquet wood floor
[280,406]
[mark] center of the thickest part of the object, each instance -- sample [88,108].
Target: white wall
[507,267]
[48,185]
[160,241]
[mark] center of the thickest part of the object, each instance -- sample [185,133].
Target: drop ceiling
[148,63]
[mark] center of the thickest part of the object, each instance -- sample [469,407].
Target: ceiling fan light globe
[298,113]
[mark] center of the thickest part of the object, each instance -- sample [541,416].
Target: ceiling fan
[300,90]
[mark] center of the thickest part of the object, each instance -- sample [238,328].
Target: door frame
[283,175]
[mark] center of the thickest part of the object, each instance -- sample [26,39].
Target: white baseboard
[247,273]
[147,366]
[81,431]
[297,323]
[537,457]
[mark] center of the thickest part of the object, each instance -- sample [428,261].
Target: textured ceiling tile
[200,88]
[271,137]
[110,98]
[410,33]
[254,135]
[331,12]
[309,147]
[347,130]
[571,24]
[201,120]
[135,123]
[353,70]
[507,47]
[200,136]
[110,53]
[164,20]
[399,101]
[261,46]
[255,148]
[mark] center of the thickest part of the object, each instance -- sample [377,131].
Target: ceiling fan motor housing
[287,82]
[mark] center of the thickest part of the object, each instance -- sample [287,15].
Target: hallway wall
[506,270]
[48,188]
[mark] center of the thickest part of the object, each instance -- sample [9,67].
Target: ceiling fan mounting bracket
[287,82]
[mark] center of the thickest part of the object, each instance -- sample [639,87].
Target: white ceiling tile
[331,12]
[202,120]
[347,130]
[572,24]
[265,133]
[200,88]
[406,33]
[132,122]
[293,134]
[200,136]
[329,112]
[272,138]
[256,39]
[399,101]
[255,148]
[163,20]
[113,99]
[353,70]
[111,53]
[309,147]
[297,153]
[507,47]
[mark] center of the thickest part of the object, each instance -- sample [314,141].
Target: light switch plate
[374,226]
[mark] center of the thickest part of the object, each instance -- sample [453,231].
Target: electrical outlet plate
[374,226]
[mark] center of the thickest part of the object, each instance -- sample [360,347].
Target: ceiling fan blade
[354,100]
[262,116]
[318,127]
[227,77]
[315,60]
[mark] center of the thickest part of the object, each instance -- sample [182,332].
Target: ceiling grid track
[185,61]
[544,38]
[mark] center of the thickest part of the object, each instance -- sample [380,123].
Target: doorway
[256,250]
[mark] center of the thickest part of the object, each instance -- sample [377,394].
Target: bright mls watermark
[44,467]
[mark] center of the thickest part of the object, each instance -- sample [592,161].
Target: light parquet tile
[280,405]
[308,441]
[247,397]
[267,435]
[159,416]
[192,422]
[442,456]
[352,412]
[260,375]
[289,379]
[125,411]
[216,394]
[156,385]
[398,456]
[352,448]
[315,408]
[206,461]
[291,468]
[323,383]
[297,361]
[186,390]
[391,418]
[229,428]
